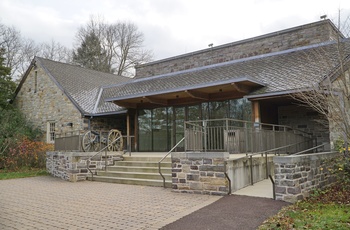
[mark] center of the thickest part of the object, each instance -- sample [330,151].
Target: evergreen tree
[7,86]
[91,55]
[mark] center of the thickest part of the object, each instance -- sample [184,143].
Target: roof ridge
[81,67]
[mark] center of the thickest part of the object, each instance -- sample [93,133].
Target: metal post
[106,160]
[227,137]
[246,137]
[267,166]
[251,169]
[205,135]
[273,187]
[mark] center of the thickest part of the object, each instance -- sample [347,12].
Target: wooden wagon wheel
[117,145]
[90,142]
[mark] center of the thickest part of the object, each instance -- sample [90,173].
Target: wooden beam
[240,88]
[157,101]
[197,95]
[125,104]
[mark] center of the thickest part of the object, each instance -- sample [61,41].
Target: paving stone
[50,203]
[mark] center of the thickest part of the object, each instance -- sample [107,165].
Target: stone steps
[131,181]
[137,171]
[116,168]
[135,175]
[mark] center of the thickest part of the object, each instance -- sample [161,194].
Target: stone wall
[296,176]
[282,40]
[304,119]
[41,101]
[106,123]
[72,166]
[199,173]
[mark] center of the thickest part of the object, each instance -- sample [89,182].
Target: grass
[328,209]
[22,173]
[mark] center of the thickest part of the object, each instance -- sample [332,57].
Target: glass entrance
[160,129]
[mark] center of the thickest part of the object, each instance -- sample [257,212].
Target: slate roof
[83,86]
[280,72]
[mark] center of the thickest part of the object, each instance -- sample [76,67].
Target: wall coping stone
[200,155]
[301,158]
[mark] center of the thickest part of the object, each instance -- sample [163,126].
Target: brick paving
[51,203]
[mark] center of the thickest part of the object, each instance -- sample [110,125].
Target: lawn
[5,174]
[328,209]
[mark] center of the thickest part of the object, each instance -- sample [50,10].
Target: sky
[170,27]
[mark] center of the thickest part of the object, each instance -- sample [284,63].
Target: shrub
[27,153]
[14,129]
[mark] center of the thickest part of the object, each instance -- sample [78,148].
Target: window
[50,134]
[36,81]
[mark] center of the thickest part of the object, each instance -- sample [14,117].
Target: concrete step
[148,176]
[142,163]
[138,169]
[133,181]
[145,158]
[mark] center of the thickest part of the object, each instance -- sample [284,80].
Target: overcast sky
[171,27]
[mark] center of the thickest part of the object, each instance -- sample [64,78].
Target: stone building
[250,80]
[205,105]
[60,98]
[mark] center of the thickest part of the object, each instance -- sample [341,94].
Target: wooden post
[128,147]
[136,131]
[256,111]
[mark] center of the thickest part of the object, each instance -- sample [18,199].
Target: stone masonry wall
[106,123]
[282,40]
[72,166]
[304,119]
[199,173]
[296,176]
[47,102]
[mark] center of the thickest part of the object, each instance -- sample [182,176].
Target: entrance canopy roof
[208,91]
[262,75]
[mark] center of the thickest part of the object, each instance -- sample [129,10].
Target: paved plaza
[51,203]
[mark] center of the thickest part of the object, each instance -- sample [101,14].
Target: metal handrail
[307,150]
[227,177]
[250,157]
[274,149]
[273,187]
[103,149]
[159,162]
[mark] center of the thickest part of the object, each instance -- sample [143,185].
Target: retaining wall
[72,166]
[199,173]
[296,176]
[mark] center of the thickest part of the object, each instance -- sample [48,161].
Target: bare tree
[11,42]
[127,49]
[55,51]
[19,51]
[121,45]
[330,96]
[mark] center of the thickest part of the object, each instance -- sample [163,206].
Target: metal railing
[69,141]
[237,136]
[249,159]
[72,141]
[161,160]
[103,149]
[310,149]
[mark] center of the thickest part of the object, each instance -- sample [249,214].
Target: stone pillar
[199,173]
